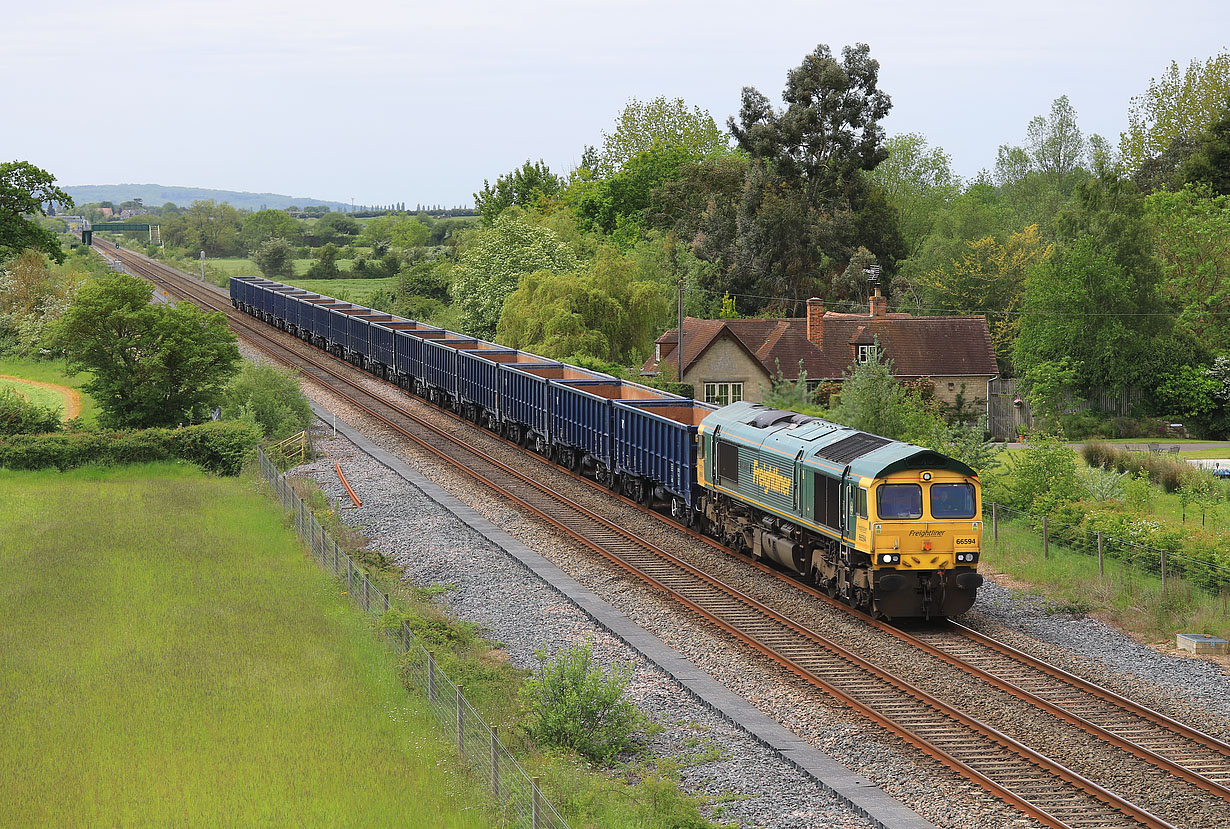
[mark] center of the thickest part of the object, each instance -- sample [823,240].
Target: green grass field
[246,267]
[171,657]
[353,290]
[51,371]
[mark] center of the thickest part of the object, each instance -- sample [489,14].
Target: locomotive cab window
[862,503]
[899,502]
[952,501]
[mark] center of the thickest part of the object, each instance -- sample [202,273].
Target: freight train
[890,528]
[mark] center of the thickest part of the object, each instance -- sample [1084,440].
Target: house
[735,359]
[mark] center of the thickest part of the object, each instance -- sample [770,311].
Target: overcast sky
[399,100]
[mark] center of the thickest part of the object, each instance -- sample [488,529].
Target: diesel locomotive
[890,528]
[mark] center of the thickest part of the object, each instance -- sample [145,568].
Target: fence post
[386,602]
[535,808]
[367,601]
[1101,567]
[405,636]
[1046,539]
[1163,571]
[994,521]
[461,730]
[431,676]
[349,577]
[495,765]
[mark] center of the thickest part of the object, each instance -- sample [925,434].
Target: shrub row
[1168,472]
[221,447]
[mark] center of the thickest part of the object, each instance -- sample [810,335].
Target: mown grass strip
[51,371]
[170,656]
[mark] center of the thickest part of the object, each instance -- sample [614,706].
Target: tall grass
[1126,596]
[169,657]
[1168,471]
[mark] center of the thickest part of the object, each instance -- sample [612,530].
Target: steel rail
[759,613]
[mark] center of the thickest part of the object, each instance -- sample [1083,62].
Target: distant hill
[156,195]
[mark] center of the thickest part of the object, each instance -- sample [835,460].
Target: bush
[1168,472]
[574,704]
[220,447]
[19,416]
[271,397]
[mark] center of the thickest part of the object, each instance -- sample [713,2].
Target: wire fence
[516,797]
[1169,565]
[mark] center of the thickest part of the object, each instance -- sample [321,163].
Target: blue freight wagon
[384,346]
[581,417]
[440,365]
[362,331]
[407,351]
[478,379]
[525,397]
[655,440]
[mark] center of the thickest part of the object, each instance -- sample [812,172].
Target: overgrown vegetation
[573,703]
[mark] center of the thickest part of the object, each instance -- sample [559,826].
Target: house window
[723,394]
[867,354]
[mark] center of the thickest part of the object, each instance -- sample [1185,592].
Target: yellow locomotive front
[924,536]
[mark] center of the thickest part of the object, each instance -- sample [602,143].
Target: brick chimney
[879,305]
[815,321]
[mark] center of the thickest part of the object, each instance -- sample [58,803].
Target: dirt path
[71,397]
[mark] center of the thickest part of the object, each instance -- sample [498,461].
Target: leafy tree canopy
[400,231]
[492,262]
[608,311]
[275,258]
[1209,165]
[1181,103]
[267,224]
[830,129]
[269,396]
[619,202]
[1191,233]
[644,126]
[25,190]
[918,181]
[528,186]
[151,365]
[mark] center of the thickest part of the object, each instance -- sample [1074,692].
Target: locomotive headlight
[888,558]
[926,476]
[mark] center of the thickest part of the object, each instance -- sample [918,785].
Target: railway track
[1010,770]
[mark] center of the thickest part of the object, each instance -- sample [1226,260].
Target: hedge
[220,446]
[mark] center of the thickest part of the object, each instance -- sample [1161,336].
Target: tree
[1055,145]
[1209,165]
[987,278]
[918,181]
[491,264]
[608,311]
[1178,104]
[806,205]
[830,130]
[873,401]
[26,190]
[528,186]
[1191,234]
[275,258]
[268,224]
[331,228]
[150,365]
[325,266]
[620,201]
[402,232]
[645,126]
[19,416]
[32,295]
[271,397]
[209,226]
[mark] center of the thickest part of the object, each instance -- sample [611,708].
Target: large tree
[1191,231]
[26,190]
[608,311]
[268,224]
[150,365]
[918,181]
[646,125]
[807,205]
[490,264]
[528,186]
[1179,104]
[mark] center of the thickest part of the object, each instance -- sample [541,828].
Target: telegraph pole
[679,345]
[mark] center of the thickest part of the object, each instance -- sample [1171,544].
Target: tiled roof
[918,346]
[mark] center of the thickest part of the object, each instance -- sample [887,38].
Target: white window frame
[867,353]
[723,392]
